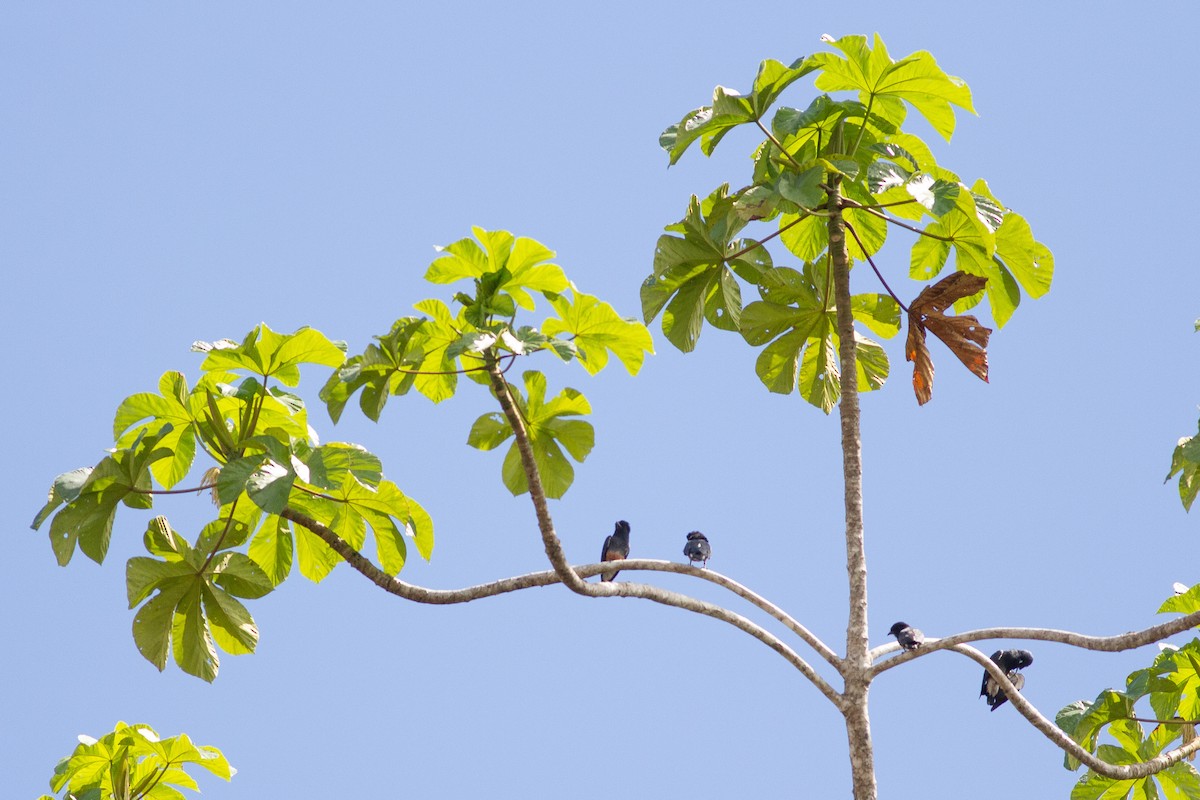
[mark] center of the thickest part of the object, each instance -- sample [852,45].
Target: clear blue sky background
[182,171]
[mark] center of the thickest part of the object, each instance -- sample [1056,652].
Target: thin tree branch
[665,597]
[760,242]
[873,210]
[777,143]
[1108,644]
[1123,772]
[420,594]
[550,540]
[871,261]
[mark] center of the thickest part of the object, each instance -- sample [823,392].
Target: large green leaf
[269,354]
[192,607]
[693,274]
[596,328]
[729,109]
[881,82]
[549,433]
[796,320]
[89,498]
[140,413]
[130,760]
[520,261]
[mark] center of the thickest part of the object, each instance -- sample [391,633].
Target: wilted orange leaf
[965,337]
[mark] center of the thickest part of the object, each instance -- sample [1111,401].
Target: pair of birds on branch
[616,547]
[1009,661]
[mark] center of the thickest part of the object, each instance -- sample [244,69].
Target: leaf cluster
[1171,687]
[132,762]
[480,334]
[268,466]
[265,459]
[846,157]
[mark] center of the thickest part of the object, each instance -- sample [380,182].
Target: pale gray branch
[420,594]
[1110,644]
[1123,772]
[669,598]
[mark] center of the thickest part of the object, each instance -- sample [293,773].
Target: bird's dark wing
[604,549]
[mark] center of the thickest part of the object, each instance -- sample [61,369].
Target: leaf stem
[770,136]
[871,261]
[873,210]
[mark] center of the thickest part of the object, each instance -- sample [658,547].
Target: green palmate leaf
[191,639]
[804,236]
[1083,721]
[1179,781]
[193,608]
[799,324]
[693,274]
[381,508]
[240,576]
[595,329]
[231,626]
[65,489]
[868,232]
[269,354]
[87,499]
[935,195]
[729,109]
[232,527]
[331,463]
[145,412]
[803,188]
[549,433]
[520,262]
[1186,603]
[1185,462]
[882,82]
[879,312]
[272,549]
[133,761]
[313,556]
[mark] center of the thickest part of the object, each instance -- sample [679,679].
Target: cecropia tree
[829,182]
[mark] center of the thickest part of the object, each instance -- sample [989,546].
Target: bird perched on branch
[616,547]
[910,638]
[1010,661]
[697,548]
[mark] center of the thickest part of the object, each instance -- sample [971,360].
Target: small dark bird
[616,547]
[910,638]
[1010,661]
[697,548]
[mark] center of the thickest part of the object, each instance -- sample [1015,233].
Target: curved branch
[1123,772]
[669,598]
[420,594]
[1108,644]
[550,540]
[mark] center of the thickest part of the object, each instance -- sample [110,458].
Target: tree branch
[1108,644]
[420,594]
[1123,772]
[550,540]
[856,669]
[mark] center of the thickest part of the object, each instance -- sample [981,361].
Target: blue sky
[175,172]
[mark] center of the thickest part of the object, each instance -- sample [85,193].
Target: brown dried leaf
[965,337]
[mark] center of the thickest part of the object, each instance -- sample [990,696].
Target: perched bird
[616,547]
[1010,661]
[910,638]
[697,548]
